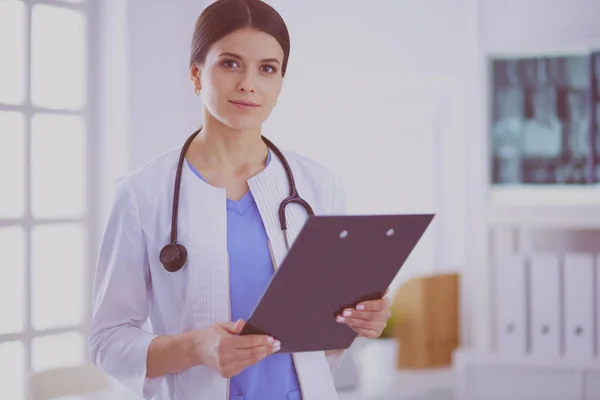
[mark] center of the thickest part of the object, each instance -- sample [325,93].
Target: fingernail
[277,347]
[340,319]
[270,339]
[277,343]
[360,307]
[347,313]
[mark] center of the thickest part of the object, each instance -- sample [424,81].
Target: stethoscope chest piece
[173,257]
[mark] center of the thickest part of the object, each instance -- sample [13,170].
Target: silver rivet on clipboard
[344,234]
[390,232]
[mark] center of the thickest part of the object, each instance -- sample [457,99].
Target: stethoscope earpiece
[173,257]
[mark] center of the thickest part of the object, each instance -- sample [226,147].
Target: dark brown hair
[226,16]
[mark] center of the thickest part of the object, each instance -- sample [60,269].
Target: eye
[269,69]
[229,64]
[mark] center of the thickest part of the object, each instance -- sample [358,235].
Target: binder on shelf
[545,301]
[579,305]
[510,304]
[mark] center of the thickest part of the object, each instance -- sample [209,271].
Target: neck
[219,146]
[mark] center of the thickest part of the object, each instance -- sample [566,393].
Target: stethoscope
[173,256]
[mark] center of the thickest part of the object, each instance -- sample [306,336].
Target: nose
[247,83]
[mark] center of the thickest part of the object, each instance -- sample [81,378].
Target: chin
[243,123]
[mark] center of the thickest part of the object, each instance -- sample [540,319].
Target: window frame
[89,221]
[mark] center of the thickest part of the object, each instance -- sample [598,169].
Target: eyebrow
[233,55]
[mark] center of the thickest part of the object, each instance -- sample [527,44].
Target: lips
[245,105]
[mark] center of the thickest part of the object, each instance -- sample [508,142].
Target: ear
[195,76]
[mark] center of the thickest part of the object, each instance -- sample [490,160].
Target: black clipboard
[335,263]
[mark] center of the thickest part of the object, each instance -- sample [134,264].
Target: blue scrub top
[251,268]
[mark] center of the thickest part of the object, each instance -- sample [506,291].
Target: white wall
[146,103]
[162,105]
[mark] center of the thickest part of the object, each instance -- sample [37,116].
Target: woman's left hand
[369,318]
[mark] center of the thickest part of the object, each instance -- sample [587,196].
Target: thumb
[234,327]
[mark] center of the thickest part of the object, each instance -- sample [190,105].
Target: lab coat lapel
[269,188]
[206,226]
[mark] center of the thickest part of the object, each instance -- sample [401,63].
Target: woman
[231,188]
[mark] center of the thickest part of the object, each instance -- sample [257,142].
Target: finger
[234,327]
[240,323]
[365,324]
[260,351]
[249,341]
[367,315]
[229,355]
[367,333]
[237,360]
[374,305]
[255,354]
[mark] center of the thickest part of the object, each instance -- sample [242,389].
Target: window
[47,184]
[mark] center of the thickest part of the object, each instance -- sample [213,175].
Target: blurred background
[485,112]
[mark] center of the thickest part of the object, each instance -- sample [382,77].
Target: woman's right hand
[221,348]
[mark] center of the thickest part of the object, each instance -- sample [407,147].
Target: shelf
[464,358]
[545,196]
[486,376]
[571,217]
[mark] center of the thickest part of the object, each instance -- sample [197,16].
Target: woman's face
[240,79]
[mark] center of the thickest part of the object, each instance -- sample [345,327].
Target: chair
[66,381]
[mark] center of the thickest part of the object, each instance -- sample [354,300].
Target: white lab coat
[135,299]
